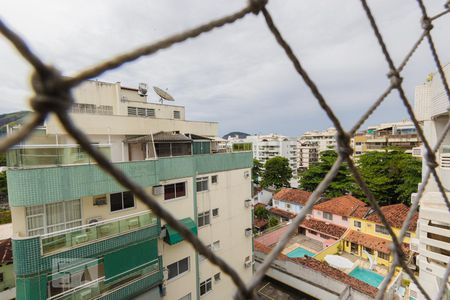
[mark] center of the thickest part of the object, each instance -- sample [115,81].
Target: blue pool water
[367,276]
[299,252]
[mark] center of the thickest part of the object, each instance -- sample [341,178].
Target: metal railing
[52,94]
[91,233]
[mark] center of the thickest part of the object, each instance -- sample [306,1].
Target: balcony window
[53,217]
[121,201]
[174,190]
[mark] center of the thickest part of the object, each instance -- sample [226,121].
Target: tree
[256,170]
[276,173]
[342,184]
[391,175]
[273,221]
[261,213]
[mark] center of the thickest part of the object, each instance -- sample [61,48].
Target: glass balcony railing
[50,155]
[99,287]
[89,233]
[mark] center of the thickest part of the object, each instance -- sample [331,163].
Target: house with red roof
[329,220]
[369,237]
[288,202]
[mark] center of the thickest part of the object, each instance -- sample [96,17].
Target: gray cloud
[236,75]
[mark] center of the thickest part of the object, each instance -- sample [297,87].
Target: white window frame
[326,214]
[205,283]
[175,186]
[357,224]
[202,181]
[178,268]
[203,215]
[45,227]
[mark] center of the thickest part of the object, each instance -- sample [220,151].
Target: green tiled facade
[85,180]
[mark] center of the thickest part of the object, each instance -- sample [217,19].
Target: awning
[173,237]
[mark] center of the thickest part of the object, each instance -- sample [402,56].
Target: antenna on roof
[163,94]
[142,89]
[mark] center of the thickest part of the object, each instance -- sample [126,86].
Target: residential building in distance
[311,143]
[433,233]
[265,147]
[401,135]
[78,234]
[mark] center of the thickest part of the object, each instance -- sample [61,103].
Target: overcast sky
[236,75]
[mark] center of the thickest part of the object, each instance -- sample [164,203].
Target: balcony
[150,273]
[91,233]
[28,156]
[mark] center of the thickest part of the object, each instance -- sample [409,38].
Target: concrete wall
[293,207]
[336,219]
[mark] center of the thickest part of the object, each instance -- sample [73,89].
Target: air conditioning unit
[248,263]
[158,190]
[248,232]
[414,245]
[85,295]
[93,220]
[247,202]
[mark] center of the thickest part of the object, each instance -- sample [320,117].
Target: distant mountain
[241,135]
[15,117]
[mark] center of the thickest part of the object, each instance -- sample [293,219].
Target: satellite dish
[163,94]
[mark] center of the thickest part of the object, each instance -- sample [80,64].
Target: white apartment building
[265,147]
[433,232]
[78,234]
[311,143]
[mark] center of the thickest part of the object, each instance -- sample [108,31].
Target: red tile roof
[361,212]
[369,241]
[395,215]
[325,269]
[282,213]
[324,227]
[292,195]
[259,223]
[342,206]
[5,251]
[336,274]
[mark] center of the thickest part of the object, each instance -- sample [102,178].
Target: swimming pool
[299,252]
[367,276]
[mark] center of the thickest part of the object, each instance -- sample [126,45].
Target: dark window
[381,229]
[357,224]
[214,179]
[383,256]
[162,149]
[179,149]
[344,218]
[215,212]
[176,114]
[370,251]
[327,216]
[205,286]
[174,190]
[178,268]
[217,277]
[1,277]
[119,201]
